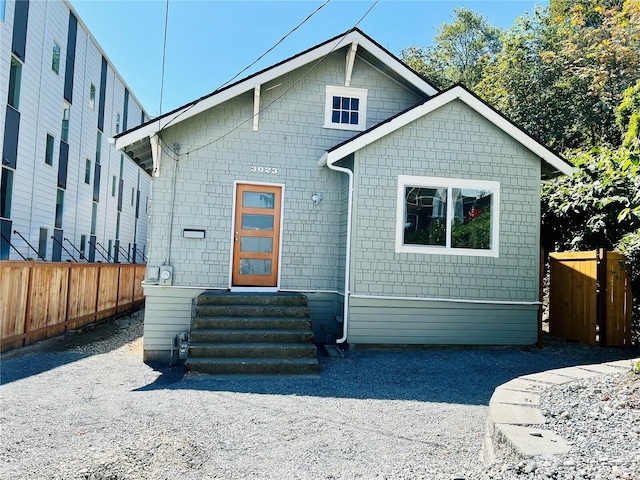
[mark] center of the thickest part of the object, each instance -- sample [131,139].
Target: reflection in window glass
[256,244]
[469,219]
[15,77]
[258,199]
[257,222]
[48,156]
[426,216]
[55,58]
[471,222]
[253,266]
[59,208]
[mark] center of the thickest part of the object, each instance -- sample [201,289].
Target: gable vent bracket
[351,58]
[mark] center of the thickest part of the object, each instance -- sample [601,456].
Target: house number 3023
[272,170]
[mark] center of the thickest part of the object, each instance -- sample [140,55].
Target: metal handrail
[126,253]
[108,258]
[99,253]
[62,246]
[144,257]
[25,241]
[12,246]
[82,257]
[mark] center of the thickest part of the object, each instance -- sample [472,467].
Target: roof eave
[271,73]
[455,93]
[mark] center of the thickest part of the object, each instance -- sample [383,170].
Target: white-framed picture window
[345,108]
[447,216]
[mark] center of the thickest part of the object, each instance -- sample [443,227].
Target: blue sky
[209,42]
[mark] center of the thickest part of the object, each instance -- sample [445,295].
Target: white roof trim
[270,74]
[456,93]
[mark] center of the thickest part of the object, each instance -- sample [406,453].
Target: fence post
[601,295]
[27,307]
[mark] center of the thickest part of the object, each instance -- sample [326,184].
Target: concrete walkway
[515,423]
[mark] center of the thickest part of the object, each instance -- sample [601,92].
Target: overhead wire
[164,54]
[321,60]
[248,66]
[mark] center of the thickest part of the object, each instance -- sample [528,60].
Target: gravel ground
[601,419]
[88,408]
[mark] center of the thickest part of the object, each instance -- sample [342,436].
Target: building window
[64,135]
[48,155]
[55,58]
[42,242]
[117,123]
[121,166]
[87,172]
[109,248]
[113,186]
[6,193]
[133,195]
[117,225]
[345,108]
[98,146]
[146,205]
[15,78]
[92,96]
[83,244]
[59,208]
[447,216]
[94,218]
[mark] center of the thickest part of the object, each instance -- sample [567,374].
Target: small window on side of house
[92,96]
[55,59]
[15,80]
[66,114]
[83,244]
[48,155]
[345,108]
[113,186]
[87,172]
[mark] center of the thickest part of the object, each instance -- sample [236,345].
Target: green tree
[461,51]
[628,115]
[562,71]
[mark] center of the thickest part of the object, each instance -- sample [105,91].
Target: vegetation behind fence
[40,300]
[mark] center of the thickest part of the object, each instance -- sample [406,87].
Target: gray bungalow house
[405,215]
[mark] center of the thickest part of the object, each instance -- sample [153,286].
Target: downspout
[347,266]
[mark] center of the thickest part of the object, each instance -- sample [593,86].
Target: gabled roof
[135,142]
[553,163]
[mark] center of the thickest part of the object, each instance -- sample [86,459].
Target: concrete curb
[514,428]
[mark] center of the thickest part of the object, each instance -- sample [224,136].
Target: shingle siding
[291,138]
[445,144]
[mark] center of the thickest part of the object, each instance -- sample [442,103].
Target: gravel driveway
[90,409]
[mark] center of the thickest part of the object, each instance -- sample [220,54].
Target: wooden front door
[256,239]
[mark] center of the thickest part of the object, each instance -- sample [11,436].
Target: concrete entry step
[227,298]
[249,336]
[260,323]
[252,334]
[257,350]
[243,310]
[253,366]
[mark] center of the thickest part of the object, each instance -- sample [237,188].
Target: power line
[322,59]
[248,66]
[164,53]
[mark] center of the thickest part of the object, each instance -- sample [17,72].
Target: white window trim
[359,93]
[448,183]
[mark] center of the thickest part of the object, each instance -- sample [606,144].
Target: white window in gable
[447,216]
[345,108]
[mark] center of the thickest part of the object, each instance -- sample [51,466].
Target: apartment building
[66,193]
